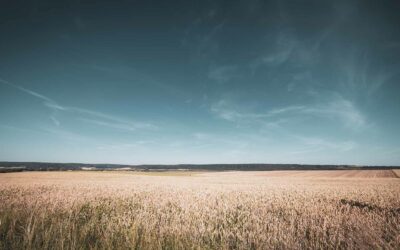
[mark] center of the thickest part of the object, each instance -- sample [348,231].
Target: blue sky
[313,82]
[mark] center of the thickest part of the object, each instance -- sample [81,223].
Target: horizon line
[200,164]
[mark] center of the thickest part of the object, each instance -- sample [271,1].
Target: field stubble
[225,210]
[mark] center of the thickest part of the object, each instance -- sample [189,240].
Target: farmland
[200,210]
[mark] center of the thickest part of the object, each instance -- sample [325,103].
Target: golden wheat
[225,210]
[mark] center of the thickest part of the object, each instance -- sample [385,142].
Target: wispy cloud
[238,140]
[222,74]
[46,100]
[322,143]
[55,120]
[109,124]
[124,74]
[338,109]
[227,111]
[90,116]
[66,134]
[341,109]
[18,129]
[122,146]
[116,123]
[286,50]
[285,46]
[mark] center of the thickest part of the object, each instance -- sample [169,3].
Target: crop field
[334,174]
[346,209]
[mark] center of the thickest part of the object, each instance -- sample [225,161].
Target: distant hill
[46,166]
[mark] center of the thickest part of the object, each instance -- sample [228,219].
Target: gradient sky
[138,82]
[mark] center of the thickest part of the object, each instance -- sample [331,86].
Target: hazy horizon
[200,82]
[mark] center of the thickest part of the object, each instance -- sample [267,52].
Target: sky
[170,82]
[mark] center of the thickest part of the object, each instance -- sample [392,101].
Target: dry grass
[226,210]
[166,173]
[333,174]
[396,172]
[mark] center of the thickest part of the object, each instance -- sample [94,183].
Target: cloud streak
[47,101]
[222,74]
[338,109]
[320,143]
[86,115]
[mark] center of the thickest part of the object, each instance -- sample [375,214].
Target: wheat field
[200,210]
